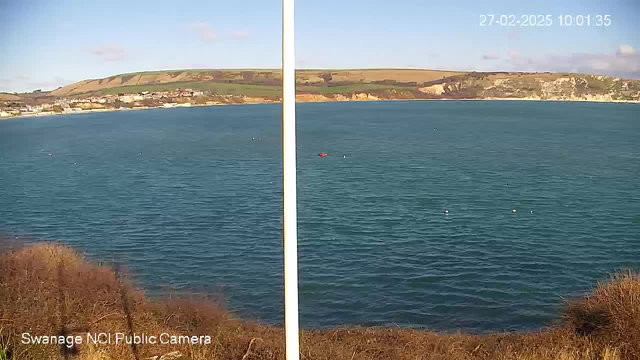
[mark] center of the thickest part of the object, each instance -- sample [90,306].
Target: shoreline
[325,100]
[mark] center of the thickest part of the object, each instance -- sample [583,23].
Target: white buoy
[446,211]
[513,211]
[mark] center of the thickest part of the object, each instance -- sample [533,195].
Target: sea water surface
[191,200]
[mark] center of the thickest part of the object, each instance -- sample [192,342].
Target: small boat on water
[323,154]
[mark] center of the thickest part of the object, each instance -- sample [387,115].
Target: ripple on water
[193,205]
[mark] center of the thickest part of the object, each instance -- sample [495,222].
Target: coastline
[314,98]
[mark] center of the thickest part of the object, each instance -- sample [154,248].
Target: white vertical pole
[289,175]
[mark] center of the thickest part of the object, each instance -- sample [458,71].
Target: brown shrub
[51,290]
[611,313]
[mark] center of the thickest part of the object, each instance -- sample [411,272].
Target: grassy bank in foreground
[52,290]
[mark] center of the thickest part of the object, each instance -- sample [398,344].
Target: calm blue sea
[190,199]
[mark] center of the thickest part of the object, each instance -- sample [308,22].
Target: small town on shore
[123,101]
[173,89]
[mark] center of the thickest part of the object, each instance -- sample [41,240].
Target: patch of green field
[212,87]
[249,90]
[347,89]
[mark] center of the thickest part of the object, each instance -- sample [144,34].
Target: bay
[191,200]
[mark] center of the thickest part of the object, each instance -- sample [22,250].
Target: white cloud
[625,50]
[598,64]
[110,52]
[204,30]
[624,63]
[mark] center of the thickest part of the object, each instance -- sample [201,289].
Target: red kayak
[323,154]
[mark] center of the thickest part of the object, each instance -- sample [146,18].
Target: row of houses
[70,105]
[130,98]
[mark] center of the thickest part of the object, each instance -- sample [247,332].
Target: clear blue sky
[46,44]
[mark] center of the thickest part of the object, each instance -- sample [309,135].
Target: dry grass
[50,289]
[160,80]
[611,313]
[9,97]
[399,75]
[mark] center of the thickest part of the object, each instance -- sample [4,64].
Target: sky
[45,44]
